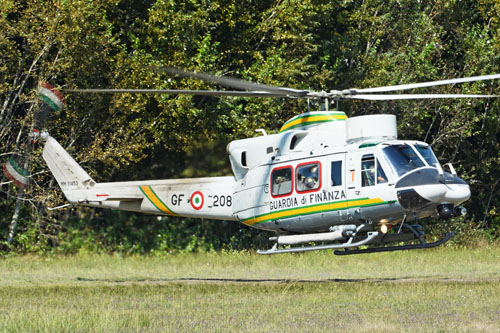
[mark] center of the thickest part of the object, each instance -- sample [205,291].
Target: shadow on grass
[430,279]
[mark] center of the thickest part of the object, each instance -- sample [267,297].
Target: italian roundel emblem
[197,200]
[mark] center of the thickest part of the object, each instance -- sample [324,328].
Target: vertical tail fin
[69,174]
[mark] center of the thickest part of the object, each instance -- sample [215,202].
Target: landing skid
[370,238]
[422,245]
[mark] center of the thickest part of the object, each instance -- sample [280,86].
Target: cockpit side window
[281,181]
[381,177]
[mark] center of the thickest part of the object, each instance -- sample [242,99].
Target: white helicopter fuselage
[324,173]
[319,172]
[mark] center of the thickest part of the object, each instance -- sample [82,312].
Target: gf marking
[177,199]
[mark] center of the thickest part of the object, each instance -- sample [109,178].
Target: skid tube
[422,245]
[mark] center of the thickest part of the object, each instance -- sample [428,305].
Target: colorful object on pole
[51,101]
[15,173]
[51,96]
[34,135]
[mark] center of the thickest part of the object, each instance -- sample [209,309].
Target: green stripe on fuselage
[314,209]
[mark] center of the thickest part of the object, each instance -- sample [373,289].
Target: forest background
[299,44]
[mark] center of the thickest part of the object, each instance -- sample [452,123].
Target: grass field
[432,290]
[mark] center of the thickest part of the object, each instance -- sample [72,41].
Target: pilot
[381,177]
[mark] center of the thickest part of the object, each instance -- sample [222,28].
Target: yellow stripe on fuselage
[311,210]
[155,200]
[312,119]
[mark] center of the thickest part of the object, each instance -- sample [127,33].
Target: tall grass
[441,262]
[296,306]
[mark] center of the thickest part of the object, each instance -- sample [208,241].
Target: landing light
[383,228]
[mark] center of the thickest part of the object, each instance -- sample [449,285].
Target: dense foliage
[301,44]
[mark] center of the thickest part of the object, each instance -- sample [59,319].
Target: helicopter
[324,181]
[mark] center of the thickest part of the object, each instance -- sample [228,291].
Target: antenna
[324,105]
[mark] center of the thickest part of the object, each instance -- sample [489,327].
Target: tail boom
[210,198]
[193,197]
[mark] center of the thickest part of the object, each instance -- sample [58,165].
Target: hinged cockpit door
[368,183]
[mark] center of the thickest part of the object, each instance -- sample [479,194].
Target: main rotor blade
[427,84]
[413,96]
[237,83]
[179,92]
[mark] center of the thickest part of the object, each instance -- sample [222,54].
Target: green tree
[310,44]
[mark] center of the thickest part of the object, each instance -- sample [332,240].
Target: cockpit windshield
[427,154]
[402,159]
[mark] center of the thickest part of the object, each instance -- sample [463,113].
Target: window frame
[365,175]
[319,177]
[378,167]
[292,180]
[341,173]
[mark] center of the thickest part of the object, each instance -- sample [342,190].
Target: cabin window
[367,170]
[336,173]
[281,181]
[293,142]
[308,177]
[368,175]
[244,159]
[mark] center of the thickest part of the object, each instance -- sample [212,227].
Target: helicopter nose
[424,187]
[444,193]
[456,193]
[431,192]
